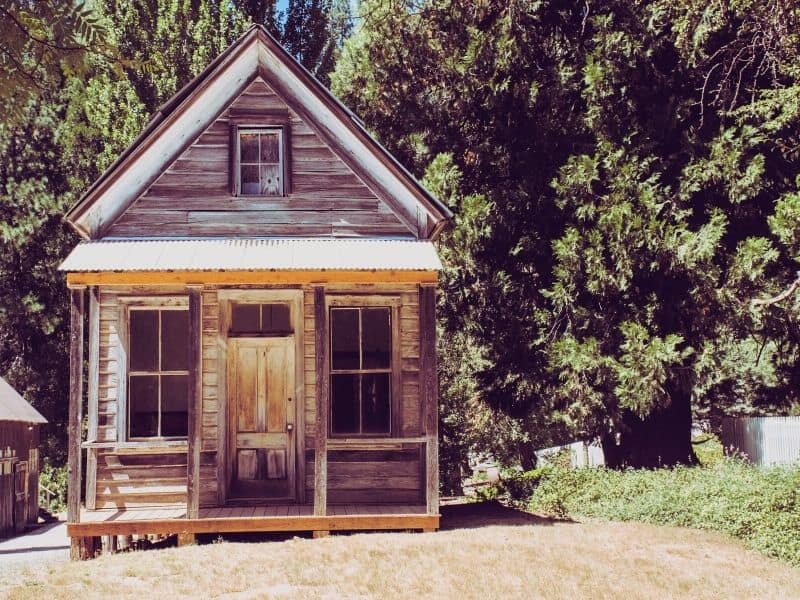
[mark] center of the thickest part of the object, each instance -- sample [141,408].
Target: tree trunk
[662,439]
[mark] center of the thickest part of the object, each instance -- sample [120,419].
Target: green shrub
[518,486]
[53,479]
[757,505]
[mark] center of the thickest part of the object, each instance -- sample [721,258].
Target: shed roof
[254,254]
[13,407]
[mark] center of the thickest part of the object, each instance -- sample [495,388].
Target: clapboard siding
[126,480]
[370,476]
[400,483]
[192,197]
[150,477]
[147,478]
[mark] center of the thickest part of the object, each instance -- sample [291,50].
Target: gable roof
[13,407]
[181,119]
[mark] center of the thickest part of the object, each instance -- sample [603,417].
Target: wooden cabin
[19,462]
[260,281]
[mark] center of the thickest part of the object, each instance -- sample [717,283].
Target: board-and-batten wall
[128,478]
[193,197]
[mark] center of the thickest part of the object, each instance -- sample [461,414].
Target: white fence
[582,454]
[763,441]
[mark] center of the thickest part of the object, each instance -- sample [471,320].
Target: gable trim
[167,135]
[175,126]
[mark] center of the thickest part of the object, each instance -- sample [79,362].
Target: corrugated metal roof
[13,407]
[276,254]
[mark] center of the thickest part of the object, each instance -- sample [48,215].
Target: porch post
[321,372]
[195,407]
[92,396]
[429,393]
[75,409]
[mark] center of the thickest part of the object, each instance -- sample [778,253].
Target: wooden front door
[262,414]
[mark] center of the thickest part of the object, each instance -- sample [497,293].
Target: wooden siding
[157,476]
[193,196]
[23,438]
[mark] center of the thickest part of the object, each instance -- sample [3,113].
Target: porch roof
[252,254]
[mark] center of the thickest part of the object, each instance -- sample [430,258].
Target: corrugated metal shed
[13,407]
[763,441]
[276,254]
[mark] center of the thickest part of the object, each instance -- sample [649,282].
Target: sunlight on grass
[553,560]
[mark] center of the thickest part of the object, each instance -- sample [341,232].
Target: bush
[53,479]
[759,506]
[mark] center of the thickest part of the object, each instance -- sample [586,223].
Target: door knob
[289,427]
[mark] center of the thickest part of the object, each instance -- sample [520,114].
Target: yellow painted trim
[246,277]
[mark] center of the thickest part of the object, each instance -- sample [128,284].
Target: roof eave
[76,211]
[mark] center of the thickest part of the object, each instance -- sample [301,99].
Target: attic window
[260,154]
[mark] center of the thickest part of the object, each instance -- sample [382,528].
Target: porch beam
[248,277]
[429,393]
[321,372]
[75,413]
[195,404]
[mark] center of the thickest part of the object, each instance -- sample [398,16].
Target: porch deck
[239,519]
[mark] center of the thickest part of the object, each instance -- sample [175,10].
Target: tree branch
[780,297]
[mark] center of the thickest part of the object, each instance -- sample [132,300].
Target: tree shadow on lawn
[470,515]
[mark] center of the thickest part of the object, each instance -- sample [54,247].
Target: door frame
[294,299]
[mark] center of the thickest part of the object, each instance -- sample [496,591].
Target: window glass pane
[143,340]
[250,181]
[143,405]
[248,144]
[275,318]
[269,148]
[245,319]
[174,340]
[376,338]
[344,338]
[375,402]
[270,180]
[174,405]
[344,403]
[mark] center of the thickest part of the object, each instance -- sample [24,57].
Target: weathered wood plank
[255,524]
[75,418]
[321,363]
[195,428]
[429,391]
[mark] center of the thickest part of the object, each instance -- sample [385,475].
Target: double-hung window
[261,161]
[361,370]
[158,372]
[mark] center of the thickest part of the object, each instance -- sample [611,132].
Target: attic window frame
[259,121]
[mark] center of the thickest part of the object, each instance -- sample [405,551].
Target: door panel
[260,390]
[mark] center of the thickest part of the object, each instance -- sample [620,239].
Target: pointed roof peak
[197,104]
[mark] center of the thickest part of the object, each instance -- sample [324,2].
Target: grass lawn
[488,552]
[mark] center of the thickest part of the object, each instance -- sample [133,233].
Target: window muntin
[260,319]
[361,371]
[260,162]
[158,373]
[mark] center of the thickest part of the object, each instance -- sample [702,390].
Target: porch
[274,518]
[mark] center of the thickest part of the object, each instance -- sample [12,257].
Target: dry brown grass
[528,558]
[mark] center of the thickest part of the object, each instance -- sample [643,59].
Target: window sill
[164,446]
[369,443]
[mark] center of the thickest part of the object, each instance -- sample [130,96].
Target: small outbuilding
[19,461]
[261,278]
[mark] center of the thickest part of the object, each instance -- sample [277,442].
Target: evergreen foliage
[84,108]
[625,179]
